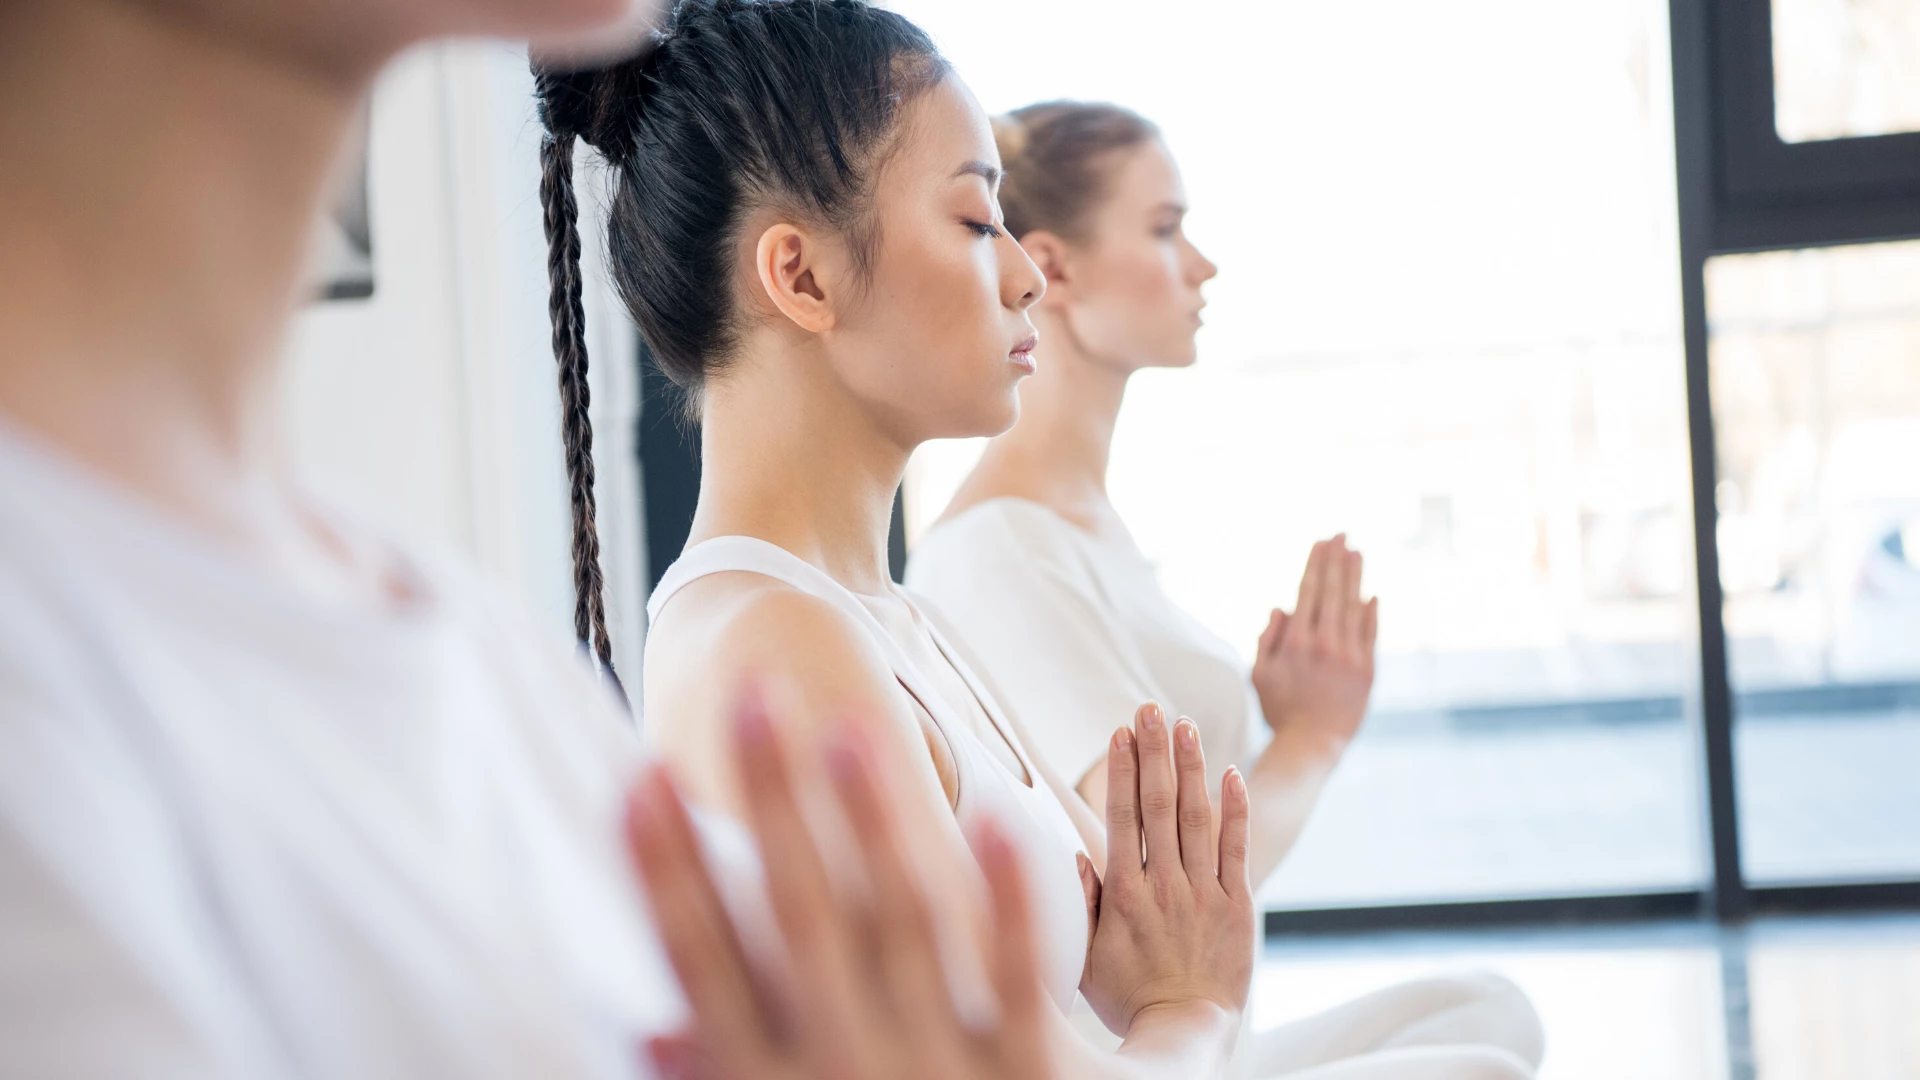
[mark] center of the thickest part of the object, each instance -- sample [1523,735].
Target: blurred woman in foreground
[281,797]
[1041,577]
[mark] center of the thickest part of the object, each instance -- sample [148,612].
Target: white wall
[434,404]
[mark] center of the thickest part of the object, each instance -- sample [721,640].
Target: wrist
[1301,746]
[1191,1015]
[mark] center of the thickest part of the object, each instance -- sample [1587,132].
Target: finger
[1124,842]
[1235,835]
[1353,630]
[903,923]
[1196,817]
[1371,630]
[1090,889]
[681,1057]
[813,926]
[1306,611]
[699,938]
[1276,629]
[1020,1041]
[1333,589]
[1159,800]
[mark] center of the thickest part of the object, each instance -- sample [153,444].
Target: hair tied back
[597,105]
[1010,135]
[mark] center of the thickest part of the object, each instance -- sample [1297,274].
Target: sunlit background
[1448,323]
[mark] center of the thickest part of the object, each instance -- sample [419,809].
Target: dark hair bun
[598,106]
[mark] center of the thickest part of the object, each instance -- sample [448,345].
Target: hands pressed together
[867,992]
[1173,920]
[1313,669]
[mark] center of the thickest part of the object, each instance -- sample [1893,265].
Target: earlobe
[784,261]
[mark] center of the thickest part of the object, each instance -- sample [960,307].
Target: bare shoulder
[728,630]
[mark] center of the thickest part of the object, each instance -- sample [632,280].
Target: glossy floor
[1780,999]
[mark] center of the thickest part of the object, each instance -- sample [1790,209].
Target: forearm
[1284,784]
[1190,1041]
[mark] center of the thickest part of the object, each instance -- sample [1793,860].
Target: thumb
[1276,630]
[1090,886]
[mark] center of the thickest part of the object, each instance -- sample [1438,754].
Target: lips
[1022,354]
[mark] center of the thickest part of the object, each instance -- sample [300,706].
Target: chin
[588,31]
[1004,419]
[998,418]
[1175,358]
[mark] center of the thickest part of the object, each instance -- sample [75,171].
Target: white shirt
[1076,633]
[246,833]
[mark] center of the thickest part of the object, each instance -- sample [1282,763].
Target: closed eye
[985,229]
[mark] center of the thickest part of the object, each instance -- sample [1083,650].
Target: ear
[1053,256]
[787,260]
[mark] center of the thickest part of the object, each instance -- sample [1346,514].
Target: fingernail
[751,724]
[1188,736]
[1234,782]
[843,759]
[992,843]
[1123,740]
[645,797]
[1152,718]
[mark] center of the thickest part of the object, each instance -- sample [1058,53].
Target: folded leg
[1462,1011]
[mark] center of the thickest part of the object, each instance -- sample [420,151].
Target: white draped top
[1076,633]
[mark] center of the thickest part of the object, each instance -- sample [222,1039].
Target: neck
[1062,444]
[797,463]
[158,187]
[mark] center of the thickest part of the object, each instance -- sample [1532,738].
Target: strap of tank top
[937,626]
[748,554]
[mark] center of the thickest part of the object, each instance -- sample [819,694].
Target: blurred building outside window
[1815,361]
[1845,68]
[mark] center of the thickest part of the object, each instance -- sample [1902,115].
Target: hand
[1314,669]
[1177,926]
[866,995]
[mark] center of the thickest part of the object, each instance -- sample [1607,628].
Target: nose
[1021,282]
[1203,268]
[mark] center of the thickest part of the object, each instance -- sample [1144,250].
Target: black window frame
[1771,194]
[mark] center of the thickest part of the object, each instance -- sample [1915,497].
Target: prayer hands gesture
[1314,668]
[866,995]
[1173,922]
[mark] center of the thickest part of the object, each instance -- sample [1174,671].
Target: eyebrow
[982,170]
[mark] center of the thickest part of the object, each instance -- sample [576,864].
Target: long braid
[562,219]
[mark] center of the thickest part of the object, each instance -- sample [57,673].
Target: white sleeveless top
[1031,817]
[1077,633]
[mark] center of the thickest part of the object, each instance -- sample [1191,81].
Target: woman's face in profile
[1133,296]
[936,342]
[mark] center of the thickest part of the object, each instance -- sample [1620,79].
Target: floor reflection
[1779,999]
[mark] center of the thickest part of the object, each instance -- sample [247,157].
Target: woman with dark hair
[1040,575]
[805,230]
[282,797]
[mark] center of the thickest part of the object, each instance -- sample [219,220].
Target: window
[1448,322]
[1845,68]
[1816,388]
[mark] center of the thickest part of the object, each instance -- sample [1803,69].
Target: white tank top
[1031,816]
